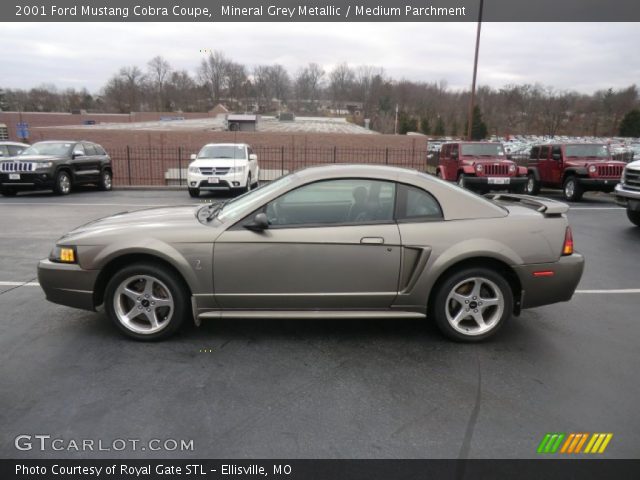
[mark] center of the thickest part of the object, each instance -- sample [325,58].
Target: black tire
[438,174]
[462,180]
[106,181]
[62,184]
[532,187]
[571,190]
[8,192]
[457,280]
[248,186]
[178,293]
[634,217]
[194,192]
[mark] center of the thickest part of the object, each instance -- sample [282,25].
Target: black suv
[57,165]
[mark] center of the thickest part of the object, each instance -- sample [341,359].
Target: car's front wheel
[462,180]
[106,182]
[146,301]
[572,190]
[472,304]
[532,187]
[62,185]
[634,217]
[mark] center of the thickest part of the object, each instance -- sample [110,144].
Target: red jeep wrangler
[575,168]
[480,166]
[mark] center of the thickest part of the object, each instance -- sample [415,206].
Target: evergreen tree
[439,129]
[424,126]
[630,125]
[479,129]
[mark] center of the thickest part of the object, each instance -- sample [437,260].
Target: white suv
[223,166]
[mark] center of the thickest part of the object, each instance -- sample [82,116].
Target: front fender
[468,170]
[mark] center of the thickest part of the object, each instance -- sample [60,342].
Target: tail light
[567,248]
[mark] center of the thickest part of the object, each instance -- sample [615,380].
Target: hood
[34,158]
[218,162]
[147,222]
[470,160]
[585,162]
[635,165]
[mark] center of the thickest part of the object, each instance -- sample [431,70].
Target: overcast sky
[568,56]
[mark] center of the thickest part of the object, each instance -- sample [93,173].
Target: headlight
[43,165]
[512,168]
[479,167]
[194,170]
[237,169]
[592,169]
[63,255]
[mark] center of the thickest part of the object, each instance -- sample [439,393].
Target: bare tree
[214,73]
[159,69]
[341,82]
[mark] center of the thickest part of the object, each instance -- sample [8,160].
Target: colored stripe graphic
[573,443]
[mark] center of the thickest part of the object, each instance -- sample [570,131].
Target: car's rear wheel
[572,190]
[472,304]
[62,185]
[249,186]
[532,187]
[146,301]
[194,192]
[106,182]
[8,192]
[634,217]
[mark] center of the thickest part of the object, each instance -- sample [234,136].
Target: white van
[223,166]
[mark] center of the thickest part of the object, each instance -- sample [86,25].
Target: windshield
[48,148]
[251,200]
[600,151]
[222,151]
[483,149]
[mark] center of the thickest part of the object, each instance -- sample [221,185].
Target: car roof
[15,144]
[226,145]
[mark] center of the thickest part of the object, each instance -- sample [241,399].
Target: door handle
[375,240]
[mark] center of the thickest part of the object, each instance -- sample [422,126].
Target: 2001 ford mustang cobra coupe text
[340,241]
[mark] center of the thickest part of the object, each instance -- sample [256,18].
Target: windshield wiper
[215,208]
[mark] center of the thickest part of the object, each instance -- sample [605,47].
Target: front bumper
[67,284]
[491,184]
[544,290]
[225,182]
[598,184]
[27,181]
[627,198]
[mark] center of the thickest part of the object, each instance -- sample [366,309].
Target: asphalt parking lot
[318,389]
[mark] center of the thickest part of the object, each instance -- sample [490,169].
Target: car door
[330,245]
[544,166]
[91,162]
[79,163]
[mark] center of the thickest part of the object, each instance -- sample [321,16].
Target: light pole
[475,73]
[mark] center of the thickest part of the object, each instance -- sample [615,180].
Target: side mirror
[193,156]
[253,156]
[260,223]
[78,153]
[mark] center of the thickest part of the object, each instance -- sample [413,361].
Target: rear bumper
[27,181]
[627,198]
[598,184]
[66,284]
[485,182]
[558,287]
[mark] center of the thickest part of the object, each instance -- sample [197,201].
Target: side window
[334,202]
[79,149]
[416,205]
[454,151]
[89,149]
[544,152]
[444,152]
[534,153]
[99,149]
[556,152]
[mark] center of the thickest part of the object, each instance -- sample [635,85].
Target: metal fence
[167,165]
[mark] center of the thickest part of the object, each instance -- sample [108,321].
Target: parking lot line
[614,290]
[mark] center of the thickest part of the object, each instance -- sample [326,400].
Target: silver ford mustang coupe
[339,241]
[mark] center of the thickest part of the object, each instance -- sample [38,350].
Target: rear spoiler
[545,206]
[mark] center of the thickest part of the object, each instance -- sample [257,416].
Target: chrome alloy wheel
[570,189]
[474,306]
[143,304]
[531,184]
[106,181]
[64,182]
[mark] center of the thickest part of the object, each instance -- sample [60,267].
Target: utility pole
[395,125]
[475,73]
